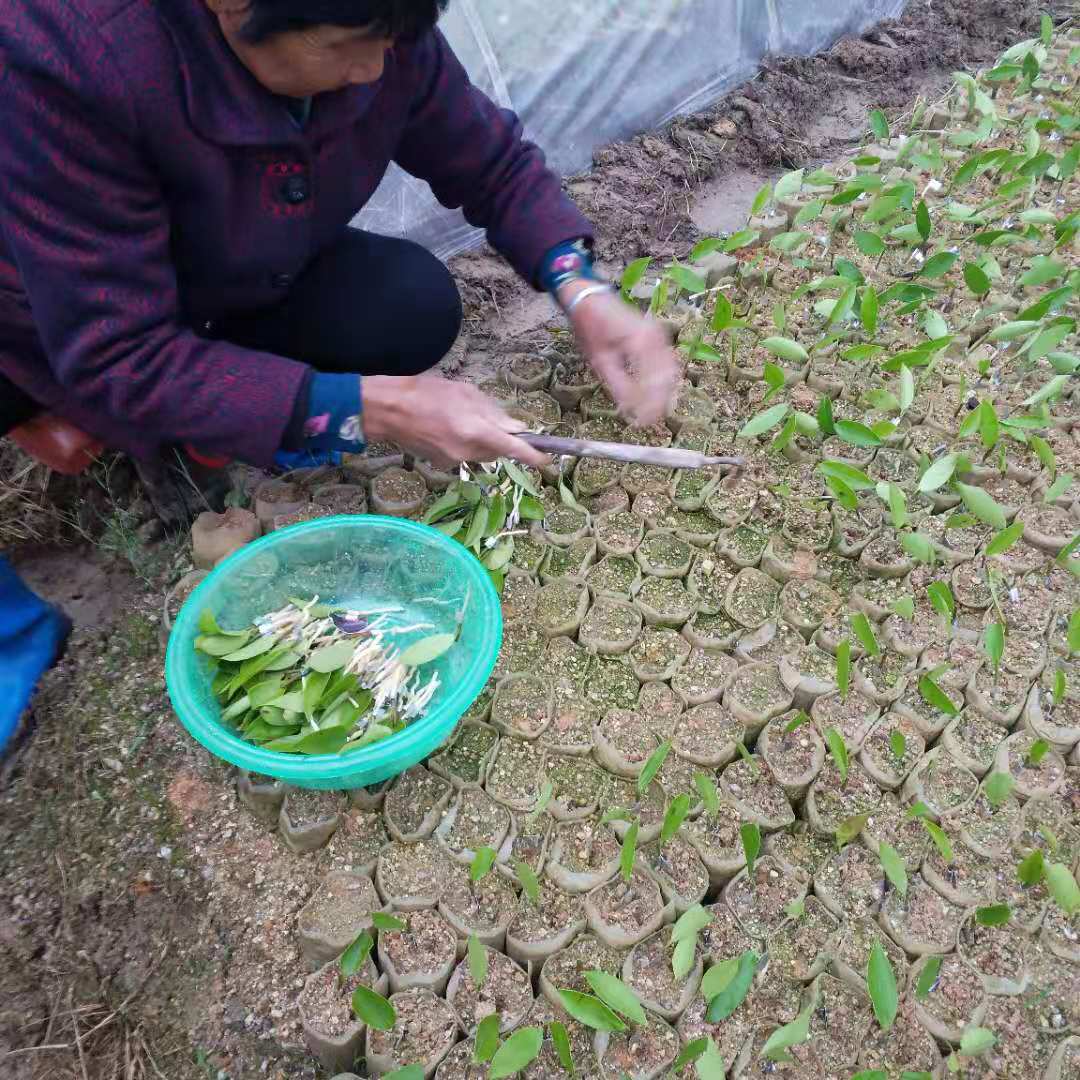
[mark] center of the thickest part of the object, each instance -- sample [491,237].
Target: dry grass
[28,512]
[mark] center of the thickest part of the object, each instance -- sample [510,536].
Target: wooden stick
[665,456]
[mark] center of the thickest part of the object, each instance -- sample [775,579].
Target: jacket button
[281,281]
[296,190]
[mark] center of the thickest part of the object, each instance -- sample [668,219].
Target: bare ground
[145,920]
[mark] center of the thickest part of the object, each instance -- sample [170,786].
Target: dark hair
[394,18]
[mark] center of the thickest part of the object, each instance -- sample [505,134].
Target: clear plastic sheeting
[582,73]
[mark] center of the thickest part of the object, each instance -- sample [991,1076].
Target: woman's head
[299,48]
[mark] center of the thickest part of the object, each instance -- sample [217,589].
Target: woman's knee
[432,322]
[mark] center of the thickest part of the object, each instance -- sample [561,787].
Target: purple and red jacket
[147,187]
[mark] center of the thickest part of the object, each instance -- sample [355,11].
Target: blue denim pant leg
[31,633]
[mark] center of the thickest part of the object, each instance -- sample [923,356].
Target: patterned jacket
[148,184]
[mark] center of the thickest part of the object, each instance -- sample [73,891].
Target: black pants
[369,304]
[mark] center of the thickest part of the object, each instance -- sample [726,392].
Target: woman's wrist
[386,408]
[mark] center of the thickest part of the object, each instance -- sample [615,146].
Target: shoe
[33,638]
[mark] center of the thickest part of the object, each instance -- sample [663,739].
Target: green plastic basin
[363,562]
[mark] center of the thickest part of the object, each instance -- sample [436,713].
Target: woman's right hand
[441,421]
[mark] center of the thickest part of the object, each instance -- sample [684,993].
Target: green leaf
[483,861]
[810,212]
[741,239]
[690,1053]
[633,274]
[562,1046]
[751,844]
[897,744]
[907,389]
[998,787]
[758,425]
[723,314]
[993,915]
[879,124]
[780,1041]
[854,478]
[706,788]
[530,884]
[590,1011]
[519,476]
[1046,30]
[868,311]
[873,1074]
[1042,270]
[1073,633]
[843,667]
[690,924]
[427,649]
[247,652]
[918,547]
[327,741]
[786,349]
[653,766]
[942,598]
[894,867]
[904,607]
[870,244]
[628,852]
[1052,389]
[1005,539]
[797,722]
[774,380]
[989,429]
[976,1041]
[381,921]
[881,982]
[1059,686]
[478,961]
[761,200]
[938,265]
[521,1049]
[711,1065]
[682,959]
[856,434]
[850,827]
[1032,869]
[860,624]
[1039,749]
[789,184]
[933,695]
[373,1009]
[352,959]
[977,279]
[477,527]
[1011,330]
[675,816]
[922,221]
[994,644]
[487,1038]
[928,977]
[982,505]
[939,473]
[941,840]
[1055,491]
[687,280]
[881,209]
[726,985]
[331,658]
[546,793]
[616,994]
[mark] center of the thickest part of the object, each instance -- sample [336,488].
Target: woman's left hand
[631,353]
